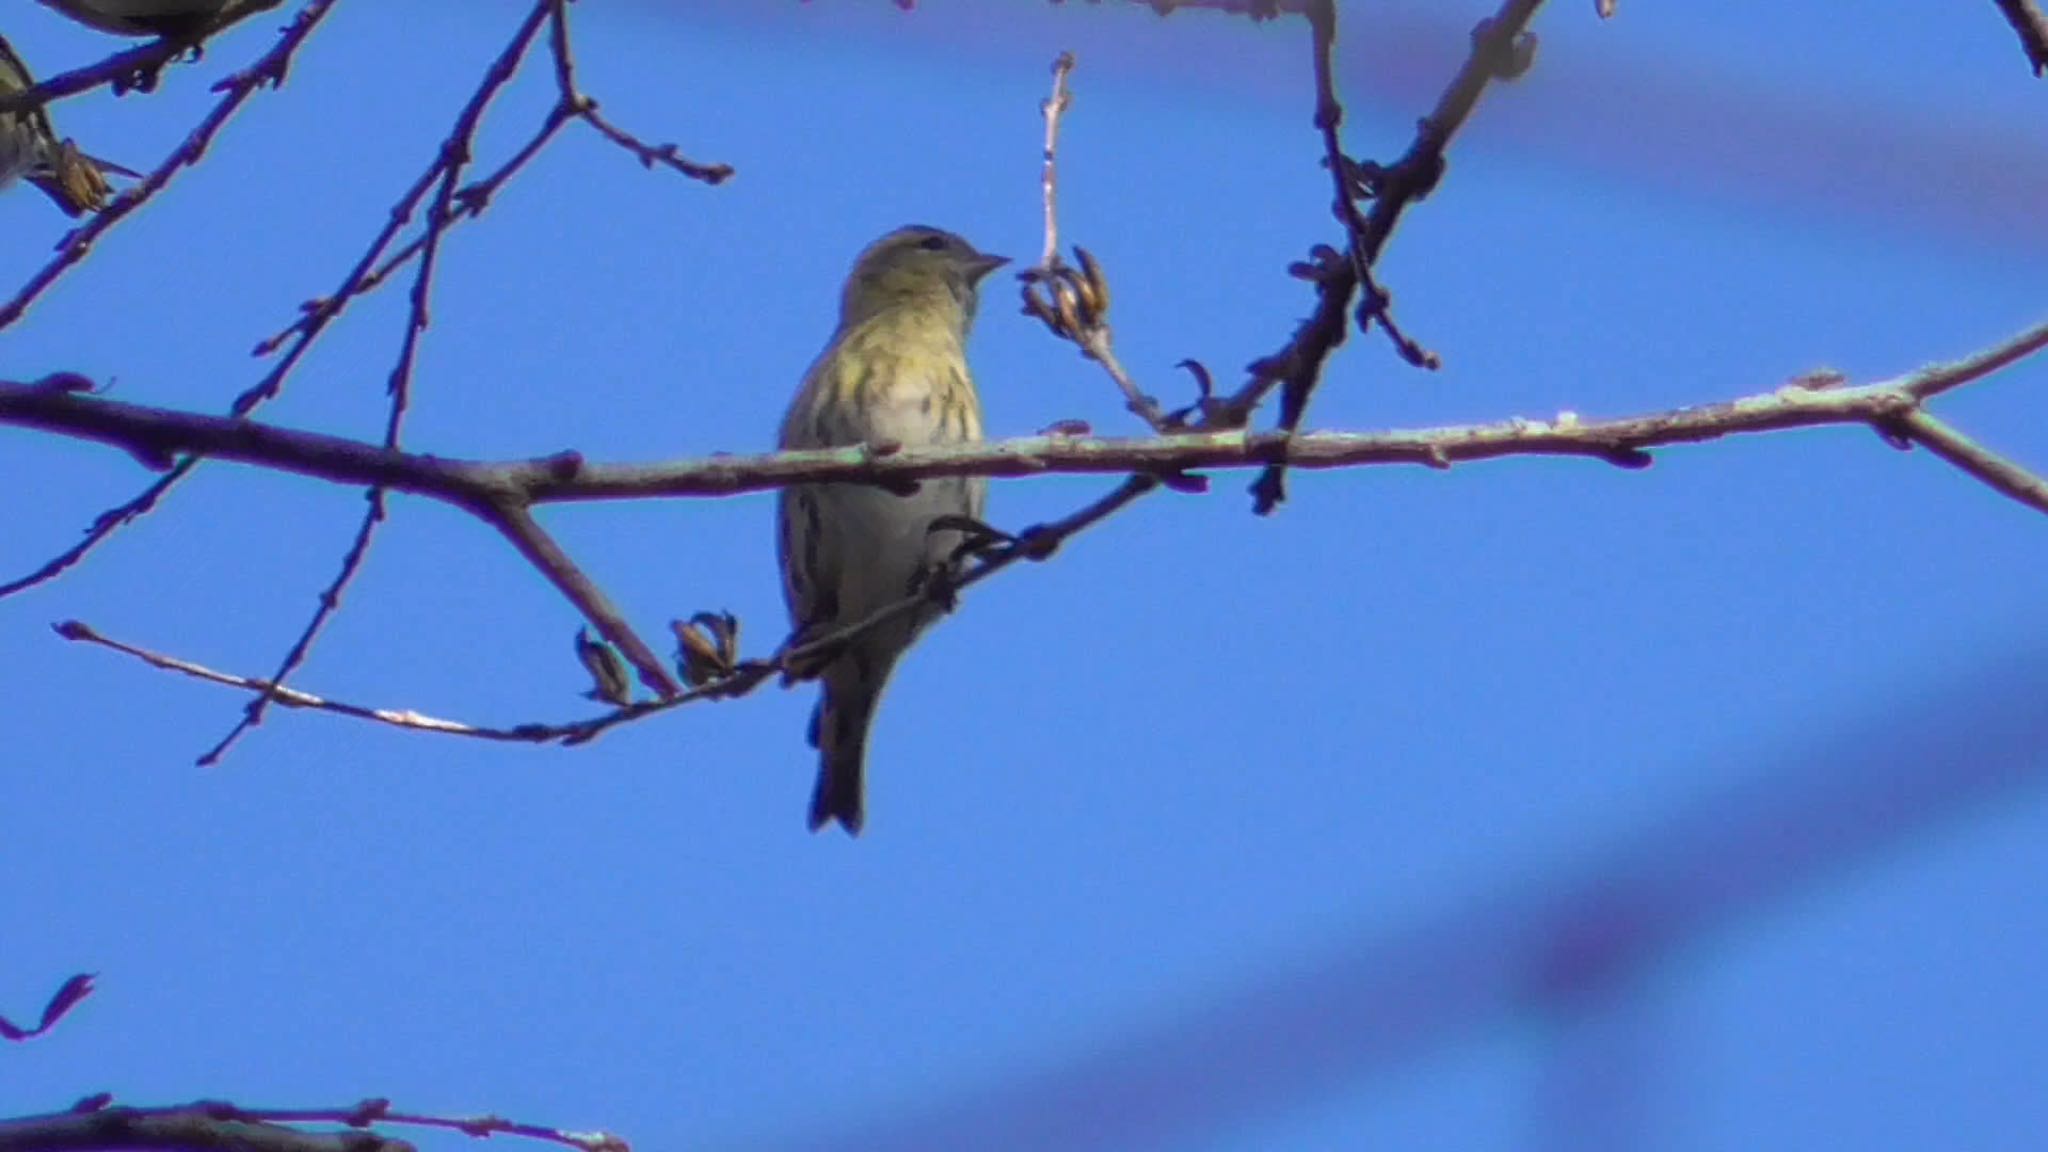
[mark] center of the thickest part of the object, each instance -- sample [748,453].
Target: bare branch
[328,604]
[372,269]
[540,550]
[455,156]
[501,493]
[1990,467]
[743,677]
[287,697]
[269,69]
[1073,303]
[573,102]
[1499,48]
[157,435]
[1052,109]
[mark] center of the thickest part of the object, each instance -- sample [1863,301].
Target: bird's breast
[913,387]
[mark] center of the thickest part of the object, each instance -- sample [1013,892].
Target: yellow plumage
[894,371]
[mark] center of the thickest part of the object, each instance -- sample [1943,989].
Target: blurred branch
[1256,9]
[96,1124]
[123,1129]
[1541,943]
[2026,19]
[62,1001]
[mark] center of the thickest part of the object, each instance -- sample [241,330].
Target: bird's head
[916,267]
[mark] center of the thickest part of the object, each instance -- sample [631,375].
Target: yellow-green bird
[30,150]
[178,18]
[895,371]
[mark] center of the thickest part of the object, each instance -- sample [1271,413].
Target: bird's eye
[933,243]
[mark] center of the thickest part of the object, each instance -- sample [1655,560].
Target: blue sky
[1145,822]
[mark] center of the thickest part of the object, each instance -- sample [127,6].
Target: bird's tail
[839,731]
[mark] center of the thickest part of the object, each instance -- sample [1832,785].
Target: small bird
[174,18]
[895,371]
[30,150]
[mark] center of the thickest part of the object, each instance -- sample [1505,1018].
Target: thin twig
[113,519]
[1052,109]
[1074,303]
[576,103]
[470,204]
[454,156]
[1297,366]
[1036,543]
[268,70]
[271,66]
[81,632]
[371,269]
[518,526]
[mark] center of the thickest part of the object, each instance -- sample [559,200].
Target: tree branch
[1990,467]
[268,70]
[455,155]
[1499,51]
[155,436]
[1073,303]
[735,679]
[540,549]
[374,267]
[501,493]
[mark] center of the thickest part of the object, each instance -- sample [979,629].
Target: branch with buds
[708,660]
[1071,300]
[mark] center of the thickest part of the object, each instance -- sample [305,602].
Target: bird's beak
[982,265]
